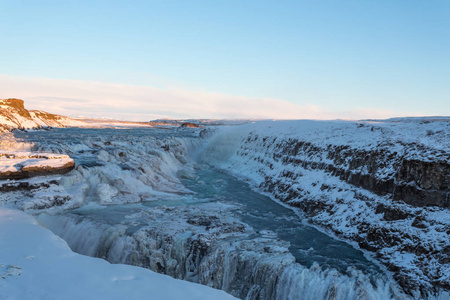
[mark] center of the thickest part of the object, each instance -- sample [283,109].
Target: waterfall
[246,267]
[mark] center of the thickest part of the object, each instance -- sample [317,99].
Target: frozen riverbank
[36,264]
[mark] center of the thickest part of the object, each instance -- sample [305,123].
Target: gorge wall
[383,185]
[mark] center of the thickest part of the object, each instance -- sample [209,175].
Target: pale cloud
[143,103]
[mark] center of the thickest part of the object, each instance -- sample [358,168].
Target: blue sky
[329,59]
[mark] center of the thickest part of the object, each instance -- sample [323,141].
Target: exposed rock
[423,183]
[419,222]
[18,165]
[14,115]
[391,213]
[18,105]
[189,125]
[419,183]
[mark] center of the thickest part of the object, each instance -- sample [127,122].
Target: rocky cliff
[14,115]
[383,185]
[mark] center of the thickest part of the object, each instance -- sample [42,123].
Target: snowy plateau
[262,210]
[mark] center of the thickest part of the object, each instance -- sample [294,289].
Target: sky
[141,60]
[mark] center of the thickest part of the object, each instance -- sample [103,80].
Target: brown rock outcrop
[18,105]
[14,115]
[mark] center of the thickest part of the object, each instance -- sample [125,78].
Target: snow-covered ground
[36,264]
[355,134]
[45,119]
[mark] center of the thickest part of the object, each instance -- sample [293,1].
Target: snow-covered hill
[14,115]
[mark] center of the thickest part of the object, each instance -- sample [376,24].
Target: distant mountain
[14,115]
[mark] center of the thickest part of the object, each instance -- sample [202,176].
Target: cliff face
[384,172]
[18,106]
[13,115]
[423,183]
[384,186]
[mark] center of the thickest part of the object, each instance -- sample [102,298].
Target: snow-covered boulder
[16,165]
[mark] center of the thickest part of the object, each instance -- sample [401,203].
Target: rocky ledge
[18,165]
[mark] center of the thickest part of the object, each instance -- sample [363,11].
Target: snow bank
[36,264]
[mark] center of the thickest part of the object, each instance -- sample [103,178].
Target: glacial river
[218,232]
